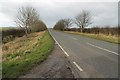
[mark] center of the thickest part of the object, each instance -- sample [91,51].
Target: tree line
[114,31]
[82,20]
[27,21]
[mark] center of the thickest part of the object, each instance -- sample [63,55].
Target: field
[6,28]
[23,53]
[112,39]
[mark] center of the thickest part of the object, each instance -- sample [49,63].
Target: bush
[8,35]
[114,31]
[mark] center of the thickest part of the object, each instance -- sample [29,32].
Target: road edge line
[72,66]
[80,69]
[59,45]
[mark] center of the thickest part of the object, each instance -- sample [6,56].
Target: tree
[67,22]
[83,20]
[63,24]
[39,26]
[60,25]
[26,18]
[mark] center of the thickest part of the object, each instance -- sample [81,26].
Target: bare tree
[60,25]
[39,26]
[83,20]
[26,18]
[67,22]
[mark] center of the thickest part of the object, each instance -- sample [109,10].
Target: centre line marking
[77,66]
[75,38]
[60,46]
[103,49]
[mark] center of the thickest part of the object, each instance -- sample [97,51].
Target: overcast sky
[50,11]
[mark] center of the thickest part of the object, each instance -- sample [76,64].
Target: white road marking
[103,49]
[60,46]
[77,66]
[74,38]
[80,69]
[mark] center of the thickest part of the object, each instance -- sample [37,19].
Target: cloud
[103,13]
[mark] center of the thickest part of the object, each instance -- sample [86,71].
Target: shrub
[8,35]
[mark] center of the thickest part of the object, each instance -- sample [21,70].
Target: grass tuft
[19,62]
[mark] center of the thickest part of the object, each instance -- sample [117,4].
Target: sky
[103,12]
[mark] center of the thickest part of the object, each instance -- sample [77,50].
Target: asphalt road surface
[92,58]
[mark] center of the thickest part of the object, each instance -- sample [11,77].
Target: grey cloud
[51,12]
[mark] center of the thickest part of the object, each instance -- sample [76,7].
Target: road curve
[92,58]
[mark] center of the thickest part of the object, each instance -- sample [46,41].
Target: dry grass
[109,38]
[24,53]
[21,44]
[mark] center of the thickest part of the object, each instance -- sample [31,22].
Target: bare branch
[26,18]
[83,20]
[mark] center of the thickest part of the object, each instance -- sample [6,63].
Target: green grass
[103,37]
[6,28]
[15,68]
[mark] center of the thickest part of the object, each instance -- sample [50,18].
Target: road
[92,58]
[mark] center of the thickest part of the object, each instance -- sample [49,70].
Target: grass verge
[103,37]
[15,66]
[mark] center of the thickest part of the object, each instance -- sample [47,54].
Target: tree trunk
[26,33]
[81,30]
[63,29]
